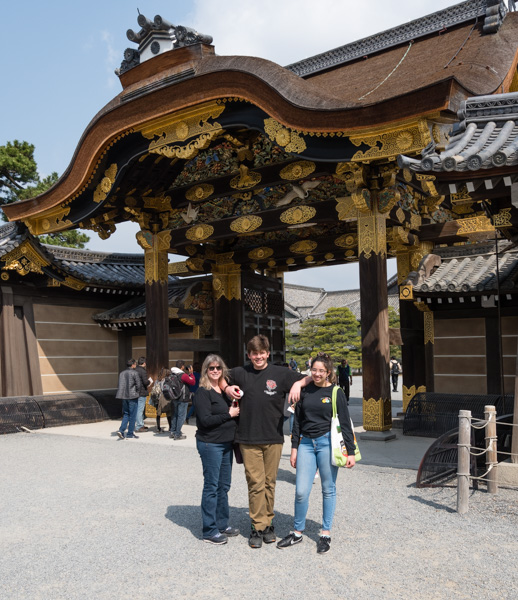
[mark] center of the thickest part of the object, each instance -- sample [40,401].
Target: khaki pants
[261,466]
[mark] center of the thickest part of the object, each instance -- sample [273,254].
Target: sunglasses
[214,368]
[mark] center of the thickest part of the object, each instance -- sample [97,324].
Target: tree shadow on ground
[189,517]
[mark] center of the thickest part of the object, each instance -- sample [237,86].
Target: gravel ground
[100,518]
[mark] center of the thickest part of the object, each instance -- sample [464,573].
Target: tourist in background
[395,371]
[345,378]
[215,418]
[311,449]
[128,392]
[145,382]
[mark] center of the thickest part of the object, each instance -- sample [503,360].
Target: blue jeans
[315,454]
[139,419]
[129,412]
[217,474]
[178,418]
[192,410]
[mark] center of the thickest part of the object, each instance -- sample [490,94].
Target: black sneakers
[323,544]
[290,540]
[255,539]
[231,531]
[268,535]
[219,539]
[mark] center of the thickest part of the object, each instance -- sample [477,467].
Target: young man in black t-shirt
[260,431]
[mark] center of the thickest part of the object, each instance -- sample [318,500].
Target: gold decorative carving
[348,240]
[303,247]
[346,209]
[199,232]
[199,192]
[290,261]
[461,197]
[5,276]
[354,176]
[226,281]
[415,221]
[261,253]
[74,283]
[372,234]
[246,224]
[502,218]
[290,140]
[158,203]
[400,214]
[362,200]
[191,249]
[422,306]
[329,256]
[176,268]
[298,170]
[172,313]
[246,179]
[418,253]
[156,246]
[298,214]
[409,139]
[409,393]
[24,259]
[407,175]
[429,336]
[475,228]
[106,184]
[178,127]
[195,264]
[49,221]
[406,292]
[377,414]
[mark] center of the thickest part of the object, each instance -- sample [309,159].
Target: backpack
[395,368]
[173,388]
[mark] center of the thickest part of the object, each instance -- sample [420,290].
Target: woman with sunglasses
[311,448]
[215,419]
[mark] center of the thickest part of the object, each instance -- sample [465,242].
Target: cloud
[113,56]
[286,31]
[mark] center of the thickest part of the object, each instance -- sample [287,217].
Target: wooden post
[228,312]
[377,408]
[156,246]
[463,461]
[491,453]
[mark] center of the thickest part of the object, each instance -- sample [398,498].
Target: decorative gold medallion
[303,247]
[199,232]
[298,214]
[246,224]
[289,140]
[106,184]
[298,170]
[406,292]
[199,192]
[290,261]
[348,240]
[260,253]
[246,179]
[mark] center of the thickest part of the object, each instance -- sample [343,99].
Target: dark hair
[180,364]
[131,362]
[258,343]
[327,361]
[142,360]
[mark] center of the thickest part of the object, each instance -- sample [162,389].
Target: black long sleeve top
[215,425]
[313,414]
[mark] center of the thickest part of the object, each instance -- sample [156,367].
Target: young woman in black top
[311,448]
[215,418]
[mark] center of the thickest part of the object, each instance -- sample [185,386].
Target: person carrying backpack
[395,370]
[175,388]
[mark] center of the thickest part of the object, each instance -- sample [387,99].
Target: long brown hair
[204,377]
[327,361]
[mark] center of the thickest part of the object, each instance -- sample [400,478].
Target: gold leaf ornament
[303,247]
[199,232]
[246,224]
[298,170]
[261,253]
[199,192]
[298,214]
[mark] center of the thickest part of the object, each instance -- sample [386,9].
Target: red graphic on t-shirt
[272,386]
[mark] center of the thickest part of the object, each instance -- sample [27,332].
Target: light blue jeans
[315,454]
[139,419]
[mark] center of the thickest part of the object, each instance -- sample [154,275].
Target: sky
[59,58]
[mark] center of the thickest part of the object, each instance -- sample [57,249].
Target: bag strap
[333,399]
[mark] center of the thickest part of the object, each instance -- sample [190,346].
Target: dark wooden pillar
[413,350]
[228,312]
[156,246]
[377,409]
[493,358]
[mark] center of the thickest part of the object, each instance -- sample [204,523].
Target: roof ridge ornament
[155,37]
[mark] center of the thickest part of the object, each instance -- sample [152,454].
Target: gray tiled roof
[485,137]
[474,273]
